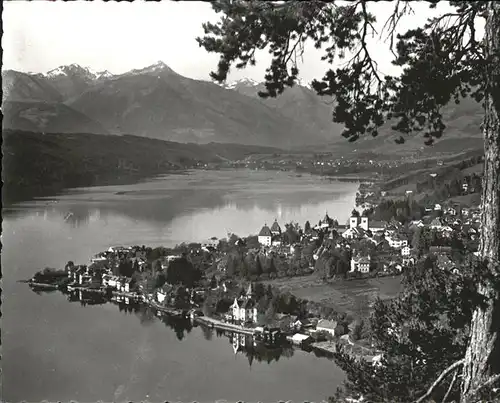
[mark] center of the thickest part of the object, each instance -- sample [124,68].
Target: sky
[120,36]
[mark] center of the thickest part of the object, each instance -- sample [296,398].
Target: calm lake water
[57,350]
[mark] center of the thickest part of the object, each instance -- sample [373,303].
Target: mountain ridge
[157,102]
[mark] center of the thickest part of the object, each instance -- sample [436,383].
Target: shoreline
[325,347]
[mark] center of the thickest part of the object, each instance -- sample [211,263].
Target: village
[227,283]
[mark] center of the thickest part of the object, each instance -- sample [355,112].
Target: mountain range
[157,102]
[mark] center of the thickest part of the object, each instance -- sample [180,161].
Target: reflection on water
[243,344]
[209,204]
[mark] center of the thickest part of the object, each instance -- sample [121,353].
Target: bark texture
[482,356]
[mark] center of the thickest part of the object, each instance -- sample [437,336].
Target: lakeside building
[265,236]
[328,326]
[244,309]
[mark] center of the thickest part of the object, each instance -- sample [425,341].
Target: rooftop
[265,231]
[275,227]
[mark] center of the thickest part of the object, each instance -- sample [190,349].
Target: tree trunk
[481,357]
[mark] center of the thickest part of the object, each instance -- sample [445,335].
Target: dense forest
[36,164]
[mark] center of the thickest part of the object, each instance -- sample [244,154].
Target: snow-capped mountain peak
[104,74]
[56,72]
[77,70]
[243,81]
[154,68]
[248,82]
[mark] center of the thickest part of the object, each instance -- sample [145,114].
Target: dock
[130,295]
[43,285]
[217,324]
[168,311]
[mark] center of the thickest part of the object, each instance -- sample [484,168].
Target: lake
[56,350]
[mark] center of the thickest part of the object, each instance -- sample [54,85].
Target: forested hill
[36,164]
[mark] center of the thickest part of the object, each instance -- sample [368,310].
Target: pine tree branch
[439,379]
[393,21]
[368,59]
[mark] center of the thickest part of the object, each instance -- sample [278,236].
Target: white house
[417,223]
[161,295]
[377,226]
[396,241]
[300,339]
[265,236]
[437,224]
[244,309]
[110,281]
[350,233]
[326,326]
[360,263]
[276,241]
[75,272]
[405,251]
[84,278]
[124,284]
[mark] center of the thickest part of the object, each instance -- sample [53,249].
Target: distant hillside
[36,164]
[463,133]
[462,120]
[47,117]
[17,86]
[156,102]
[299,102]
[159,103]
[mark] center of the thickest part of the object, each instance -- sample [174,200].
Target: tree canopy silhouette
[442,61]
